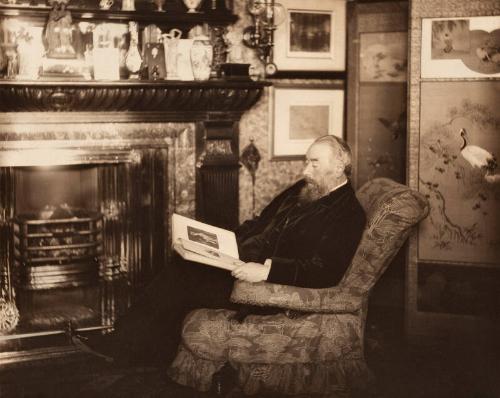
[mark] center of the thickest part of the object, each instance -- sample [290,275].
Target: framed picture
[300,114]
[460,47]
[312,36]
[154,56]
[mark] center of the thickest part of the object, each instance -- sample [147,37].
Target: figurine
[13,64]
[58,32]
[234,44]
[170,44]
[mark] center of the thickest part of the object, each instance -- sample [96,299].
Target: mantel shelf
[23,101]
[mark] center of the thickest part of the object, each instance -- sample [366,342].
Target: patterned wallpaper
[272,176]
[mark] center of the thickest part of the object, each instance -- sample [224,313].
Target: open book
[204,243]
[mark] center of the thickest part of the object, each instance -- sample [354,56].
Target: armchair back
[392,209]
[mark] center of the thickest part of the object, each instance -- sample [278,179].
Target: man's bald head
[339,150]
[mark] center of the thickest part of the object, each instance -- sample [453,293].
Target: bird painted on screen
[396,127]
[478,157]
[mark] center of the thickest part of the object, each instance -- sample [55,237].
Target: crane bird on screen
[479,158]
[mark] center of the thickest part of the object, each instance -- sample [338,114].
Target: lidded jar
[201,57]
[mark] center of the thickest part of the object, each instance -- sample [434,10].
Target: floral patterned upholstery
[321,351]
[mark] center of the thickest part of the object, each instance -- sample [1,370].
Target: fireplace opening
[57,250]
[46,188]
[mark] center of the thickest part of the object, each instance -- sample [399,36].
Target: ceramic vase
[201,57]
[133,59]
[192,5]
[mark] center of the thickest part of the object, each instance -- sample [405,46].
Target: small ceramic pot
[192,5]
[128,5]
[159,5]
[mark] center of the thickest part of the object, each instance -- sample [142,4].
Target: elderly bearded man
[305,237]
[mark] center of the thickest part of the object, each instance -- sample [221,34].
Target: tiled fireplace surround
[145,172]
[145,167]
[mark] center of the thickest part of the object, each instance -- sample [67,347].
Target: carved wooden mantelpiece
[125,101]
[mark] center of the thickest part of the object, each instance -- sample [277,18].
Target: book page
[204,235]
[207,252]
[224,262]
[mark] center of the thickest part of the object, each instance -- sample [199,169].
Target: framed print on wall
[312,36]
[300,114]
[461,47]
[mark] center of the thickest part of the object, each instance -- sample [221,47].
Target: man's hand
[252,272]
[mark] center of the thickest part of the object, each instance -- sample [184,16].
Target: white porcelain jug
[171,46]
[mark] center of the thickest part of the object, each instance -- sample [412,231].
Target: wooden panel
[376,89]
[431,141]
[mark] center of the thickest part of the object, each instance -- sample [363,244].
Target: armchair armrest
[338,299]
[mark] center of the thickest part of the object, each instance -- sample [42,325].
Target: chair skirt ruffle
[333,379]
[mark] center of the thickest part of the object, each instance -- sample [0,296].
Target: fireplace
[76,225]
[85,224]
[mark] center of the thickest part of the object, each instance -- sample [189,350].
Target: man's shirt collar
[340,185]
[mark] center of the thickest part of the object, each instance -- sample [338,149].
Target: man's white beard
[311,192]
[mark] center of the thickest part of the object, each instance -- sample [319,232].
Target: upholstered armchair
[320,351]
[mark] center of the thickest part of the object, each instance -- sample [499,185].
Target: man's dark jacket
[310,245]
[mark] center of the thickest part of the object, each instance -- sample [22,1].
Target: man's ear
[339,169]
